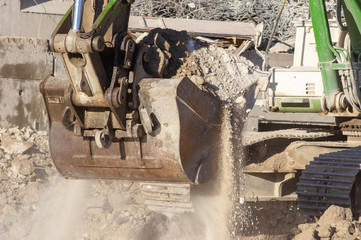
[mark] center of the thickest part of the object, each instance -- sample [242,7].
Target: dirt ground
[37,203]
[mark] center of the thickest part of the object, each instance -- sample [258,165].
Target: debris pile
[335,223]
[228,75]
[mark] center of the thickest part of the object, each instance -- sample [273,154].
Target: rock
[357,229]
[3,175]
[325,231]
[197,80]
[344,238]
[309,234]
[344,229]
[42,133]
[280,47]
[14,146]
[27,132]
[26,168]
[334,214]
[15,131]
[335,223]
[32,195]
[240,100]
[14,174]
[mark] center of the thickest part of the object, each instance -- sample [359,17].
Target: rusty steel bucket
[182,146]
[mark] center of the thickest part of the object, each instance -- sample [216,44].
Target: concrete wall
[25,60]
[25,18]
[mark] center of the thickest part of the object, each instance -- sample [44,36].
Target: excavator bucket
[110,119]
[180,142]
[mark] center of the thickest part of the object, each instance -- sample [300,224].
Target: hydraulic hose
[338,16]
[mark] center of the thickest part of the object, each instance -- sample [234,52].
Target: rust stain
[22,71]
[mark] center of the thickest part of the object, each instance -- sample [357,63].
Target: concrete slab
[45,6]
[24,58]
[239,30]
[16,23]
[24,62]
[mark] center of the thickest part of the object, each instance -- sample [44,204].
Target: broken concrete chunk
[344,229]
[32,193]
[309,234]
[197,80]
[281,47]
[305,226]
[334,214]
[26,168]
[325,231]
[14,146]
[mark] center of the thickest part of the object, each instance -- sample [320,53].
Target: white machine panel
[296,82]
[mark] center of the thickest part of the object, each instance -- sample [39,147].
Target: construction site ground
[37,203]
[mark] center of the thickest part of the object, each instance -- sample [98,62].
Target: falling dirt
[228,77]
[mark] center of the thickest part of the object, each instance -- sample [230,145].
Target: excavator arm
[112,117]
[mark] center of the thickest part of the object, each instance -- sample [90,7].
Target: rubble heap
[335,223]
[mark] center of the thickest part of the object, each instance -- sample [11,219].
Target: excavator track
[250,138]
[331,179]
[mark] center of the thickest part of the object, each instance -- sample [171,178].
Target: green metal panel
[325,51]
[108,15]
[352,12]
[298,104]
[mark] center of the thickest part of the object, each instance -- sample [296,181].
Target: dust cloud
[213,203]
[60,210]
